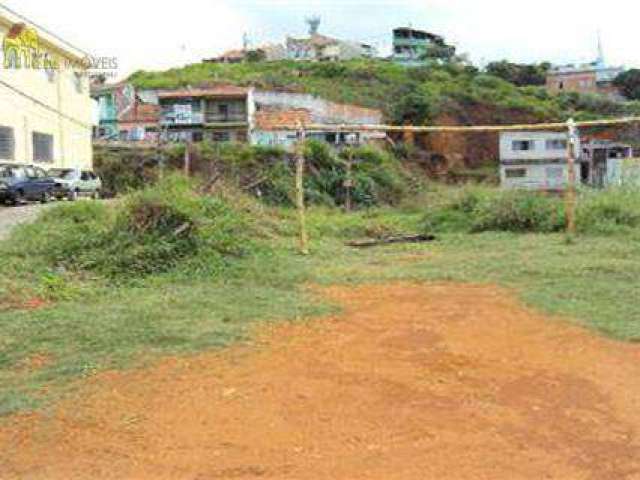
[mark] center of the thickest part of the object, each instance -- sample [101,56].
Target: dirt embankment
[411,382]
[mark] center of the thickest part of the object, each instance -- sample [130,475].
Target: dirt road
[12,216]
[411,382]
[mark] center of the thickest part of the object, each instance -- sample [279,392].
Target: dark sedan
[21,183]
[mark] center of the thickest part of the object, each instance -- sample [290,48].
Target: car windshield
[7,171]
[62,173]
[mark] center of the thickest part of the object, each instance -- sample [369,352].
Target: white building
[535,160]
[46,113]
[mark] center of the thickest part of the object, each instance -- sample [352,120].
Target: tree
[629,83]
[520,74]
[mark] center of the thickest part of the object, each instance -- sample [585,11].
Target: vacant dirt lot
[412,382]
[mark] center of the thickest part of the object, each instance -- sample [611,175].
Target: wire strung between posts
[455,129]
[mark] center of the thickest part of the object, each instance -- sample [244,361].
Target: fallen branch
[391,240]
[182,229]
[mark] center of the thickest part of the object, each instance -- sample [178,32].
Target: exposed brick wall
[269,119]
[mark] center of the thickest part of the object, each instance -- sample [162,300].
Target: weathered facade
[595,77]
[535,160]
[223,114]
[274,109]
[607,163]
[126,114]
[539,161]
[46,113]
[322,48]
[414,47]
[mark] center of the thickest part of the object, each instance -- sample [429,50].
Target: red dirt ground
[411,382]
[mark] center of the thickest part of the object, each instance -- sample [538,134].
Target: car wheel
[18,198]
[73,195]
[96,195]
[46,197]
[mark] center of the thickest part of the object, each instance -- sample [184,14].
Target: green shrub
[519,211]
[609,211]
[480,209]
[155,230]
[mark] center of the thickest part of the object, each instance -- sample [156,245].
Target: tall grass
[475,209]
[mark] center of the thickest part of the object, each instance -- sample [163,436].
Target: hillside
[436,90]
[451,94]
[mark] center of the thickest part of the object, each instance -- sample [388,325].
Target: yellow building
[46,113]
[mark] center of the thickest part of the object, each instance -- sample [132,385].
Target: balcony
[211,117]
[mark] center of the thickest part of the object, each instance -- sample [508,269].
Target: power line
[44,105]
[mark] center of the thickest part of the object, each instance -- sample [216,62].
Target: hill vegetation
[419,95]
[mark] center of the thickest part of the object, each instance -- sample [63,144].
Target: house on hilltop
[595,77]
[415,47]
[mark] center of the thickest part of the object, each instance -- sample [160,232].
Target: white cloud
[141,34]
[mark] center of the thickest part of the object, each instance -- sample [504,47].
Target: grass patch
[103,318]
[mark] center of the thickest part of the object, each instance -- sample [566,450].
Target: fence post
[187,158]
[349,181]
[571,188]
[300,161]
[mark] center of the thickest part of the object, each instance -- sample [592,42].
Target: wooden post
[571,188]
[300,161]
[187,158]
[349,181]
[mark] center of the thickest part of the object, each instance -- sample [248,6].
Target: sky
[153,35]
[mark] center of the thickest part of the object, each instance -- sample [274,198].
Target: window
[42,147]
[523,145]
[86,176]
[556,145]
[7,143]
[516,172]
[197,137]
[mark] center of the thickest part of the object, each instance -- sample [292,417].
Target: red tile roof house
[218,113]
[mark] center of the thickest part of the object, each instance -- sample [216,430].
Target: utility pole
[300,161]
[572,143]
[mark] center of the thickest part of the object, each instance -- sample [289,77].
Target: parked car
[21,183]
[72,183]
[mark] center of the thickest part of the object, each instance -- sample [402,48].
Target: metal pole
[571,188]
[300,161]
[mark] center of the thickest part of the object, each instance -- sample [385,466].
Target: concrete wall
[551,176]
[540,151]
[31,102]
[322,111]
[623,172]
